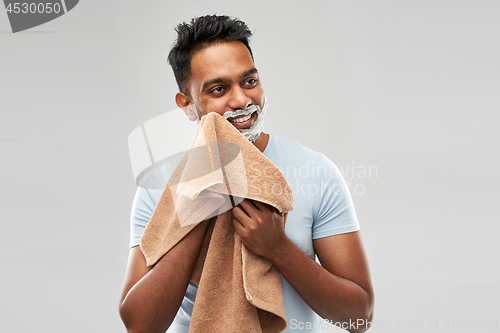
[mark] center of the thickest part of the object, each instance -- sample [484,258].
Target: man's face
[224,78]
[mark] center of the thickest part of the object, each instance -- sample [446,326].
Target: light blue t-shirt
[322,207]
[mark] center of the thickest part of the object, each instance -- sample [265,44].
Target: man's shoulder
[294,150]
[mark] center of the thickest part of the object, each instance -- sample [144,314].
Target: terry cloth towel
[238,291]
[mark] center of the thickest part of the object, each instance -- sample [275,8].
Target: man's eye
[251,82]
[217,90]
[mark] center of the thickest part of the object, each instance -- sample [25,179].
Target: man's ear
[184,102]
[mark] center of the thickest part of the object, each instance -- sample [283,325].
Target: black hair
[200,33]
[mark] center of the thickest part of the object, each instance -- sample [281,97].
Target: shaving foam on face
[253,132]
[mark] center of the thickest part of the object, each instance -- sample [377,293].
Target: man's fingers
[246,222]
[242,225]
[239,213]
[249,207]
[263,207]
[237,224]
[240,228]
[259,205]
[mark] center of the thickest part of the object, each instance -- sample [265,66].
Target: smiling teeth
[241,119]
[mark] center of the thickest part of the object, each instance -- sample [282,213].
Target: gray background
[408,88]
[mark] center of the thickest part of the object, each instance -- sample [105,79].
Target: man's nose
[239,100]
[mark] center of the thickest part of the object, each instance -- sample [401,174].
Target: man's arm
[340,291]
[151,296]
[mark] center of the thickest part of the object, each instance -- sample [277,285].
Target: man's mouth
[245,121]
[240,119]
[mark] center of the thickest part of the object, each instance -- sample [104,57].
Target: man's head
[214,68]
[201,33]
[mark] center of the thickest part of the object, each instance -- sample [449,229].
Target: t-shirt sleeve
[336,213]
[142,209]
[146,197]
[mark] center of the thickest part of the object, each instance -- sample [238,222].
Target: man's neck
[262,141]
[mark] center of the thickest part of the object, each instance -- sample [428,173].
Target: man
[214,68]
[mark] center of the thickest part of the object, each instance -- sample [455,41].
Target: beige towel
[238,291]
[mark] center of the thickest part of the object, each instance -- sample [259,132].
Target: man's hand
[260,226]
[340,291]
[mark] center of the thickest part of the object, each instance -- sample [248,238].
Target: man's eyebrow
[249,72]
[212,81]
